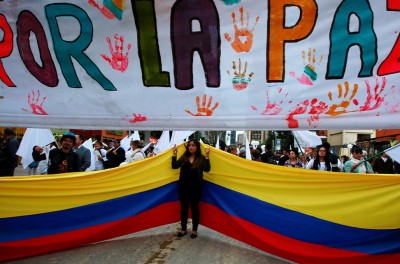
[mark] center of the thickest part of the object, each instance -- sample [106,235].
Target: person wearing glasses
[356,164]
[321,161]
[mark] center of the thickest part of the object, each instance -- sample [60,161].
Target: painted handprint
[137,118]
[111,8]
[239,81]
[315,111]
[342,107]
[394,105]
[36,106]
[273,108]
[375,97]
[299,109]
[104,10]
[309,75]
[243,39]
[118,61]
[204,110]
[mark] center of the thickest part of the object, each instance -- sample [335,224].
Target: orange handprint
[37,108]
[341,108]
[118,61]
[373,101]
[203,110]
[239,81]
[238,45]
[137,118]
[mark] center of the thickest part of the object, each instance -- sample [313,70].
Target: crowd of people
[72,156]
[322,158]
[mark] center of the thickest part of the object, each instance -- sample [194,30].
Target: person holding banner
[356,164]
[192,164]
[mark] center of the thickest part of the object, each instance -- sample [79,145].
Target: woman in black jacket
[192,164]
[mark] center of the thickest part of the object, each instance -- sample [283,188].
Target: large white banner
[200,64]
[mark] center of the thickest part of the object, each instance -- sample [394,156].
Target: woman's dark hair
[295,152]
[198,155]
[316,164]
[356,149]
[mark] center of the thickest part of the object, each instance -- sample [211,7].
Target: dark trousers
[7,172]
[190,197]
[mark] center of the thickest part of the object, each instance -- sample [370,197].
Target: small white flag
[248,154]
[394,152]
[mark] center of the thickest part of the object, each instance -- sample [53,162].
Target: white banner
[200,64]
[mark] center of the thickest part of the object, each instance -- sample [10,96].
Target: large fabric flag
[33,137]
[297,214]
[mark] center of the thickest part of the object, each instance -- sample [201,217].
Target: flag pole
[378,154]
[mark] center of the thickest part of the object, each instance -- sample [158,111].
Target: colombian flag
[300,215]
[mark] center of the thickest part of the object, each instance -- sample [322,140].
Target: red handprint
[243,32]
[137,118]
[394,105]
[273,108]
[316,110]
[374,100]
[341,108]
[299,109]
[118,61]
[37,108]
[203,110]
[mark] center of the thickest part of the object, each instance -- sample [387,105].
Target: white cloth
[133,155]
[98,164]
[33,137]
[322,165]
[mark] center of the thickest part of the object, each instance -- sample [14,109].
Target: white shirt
[310,165]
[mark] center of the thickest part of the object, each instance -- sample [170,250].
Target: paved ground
[159,246]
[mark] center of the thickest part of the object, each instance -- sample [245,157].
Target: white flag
[306,139]
[162,143]
[394,152]
[248,154]
[33,137]
[178,137]
[217,144]
[89,145]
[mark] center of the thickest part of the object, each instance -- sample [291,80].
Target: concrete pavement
[159,246]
